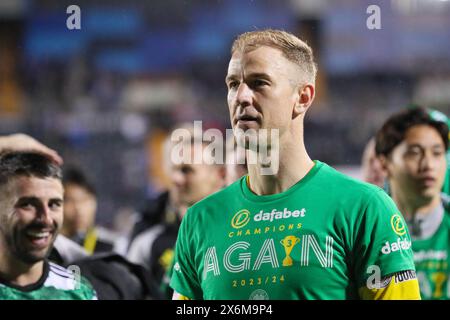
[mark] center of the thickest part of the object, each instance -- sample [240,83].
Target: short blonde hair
[292,48]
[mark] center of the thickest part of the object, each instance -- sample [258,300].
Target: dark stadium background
[106,95]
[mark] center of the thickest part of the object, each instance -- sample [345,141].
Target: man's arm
[399,286]
[382,244]
[23,142]
[184,280]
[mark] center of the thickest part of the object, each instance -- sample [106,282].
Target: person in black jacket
[80,208]
[155,234]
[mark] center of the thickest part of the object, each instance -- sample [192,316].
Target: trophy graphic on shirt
[289,243]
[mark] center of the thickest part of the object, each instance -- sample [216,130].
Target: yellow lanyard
[90,241]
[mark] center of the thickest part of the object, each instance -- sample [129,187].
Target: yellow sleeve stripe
[177,296]
[406,290]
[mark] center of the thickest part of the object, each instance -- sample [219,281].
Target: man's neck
[294,164]
[20,273]
[410,207]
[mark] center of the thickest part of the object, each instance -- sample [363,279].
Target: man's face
[262,89]
[193,182]
[80,207]
[417,165]
[31,213]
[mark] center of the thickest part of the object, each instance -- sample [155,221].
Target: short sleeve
[184,274]
[382,244]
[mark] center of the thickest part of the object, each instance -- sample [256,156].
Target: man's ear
[305,97]
[384,163]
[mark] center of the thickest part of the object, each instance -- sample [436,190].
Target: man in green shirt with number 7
[293,228]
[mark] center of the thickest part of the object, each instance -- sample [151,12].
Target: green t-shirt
[432,260]
[317,240]
[56,283]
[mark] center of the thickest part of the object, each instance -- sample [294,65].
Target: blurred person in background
[80,208]
[372,171]
[439,116]
[236,165]
[412,147]
[189,183]
[31,215]
[113,276]
[371,168]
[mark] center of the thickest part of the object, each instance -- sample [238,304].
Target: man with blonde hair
[302,230]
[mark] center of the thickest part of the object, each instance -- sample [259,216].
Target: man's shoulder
[221,196]
[218,200]
[56,283]
[56,270]
[106,239]
[353,197]
[60,277]
[339,182]
[69,280]
[141,247]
